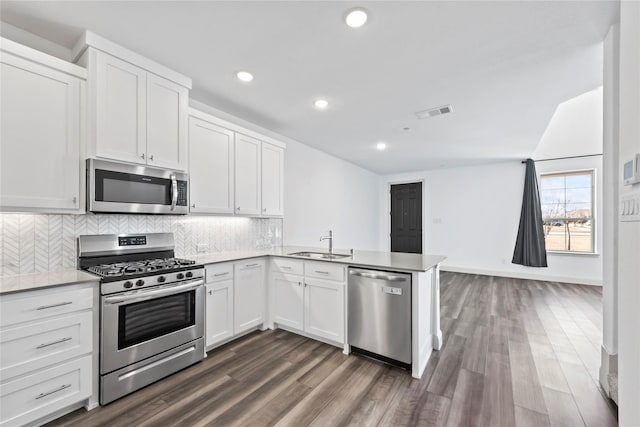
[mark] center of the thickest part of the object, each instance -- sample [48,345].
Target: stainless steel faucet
[330,238]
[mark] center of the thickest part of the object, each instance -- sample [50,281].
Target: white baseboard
[522,275]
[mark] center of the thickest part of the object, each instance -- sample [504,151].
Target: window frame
[593,218]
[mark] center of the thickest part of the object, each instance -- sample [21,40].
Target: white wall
[321,193]
[629,232]
[472,213]
[610,207]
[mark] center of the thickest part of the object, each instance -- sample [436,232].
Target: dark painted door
[406,218]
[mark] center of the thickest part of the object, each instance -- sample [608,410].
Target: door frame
[388,211]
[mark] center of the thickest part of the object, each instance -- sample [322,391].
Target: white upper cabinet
[247,175]
[138,109]
[167,105]
[272,180]
[120,110]
[210,167]
[42,102]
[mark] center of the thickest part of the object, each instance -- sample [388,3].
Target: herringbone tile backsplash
[32,243]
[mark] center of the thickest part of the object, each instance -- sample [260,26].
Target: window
[567,211]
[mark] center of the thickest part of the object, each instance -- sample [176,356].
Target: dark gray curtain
[530,249]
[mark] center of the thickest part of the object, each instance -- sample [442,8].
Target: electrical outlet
[202,248]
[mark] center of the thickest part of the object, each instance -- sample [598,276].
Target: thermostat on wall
[632,171]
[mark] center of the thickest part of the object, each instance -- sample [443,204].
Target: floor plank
[515,353]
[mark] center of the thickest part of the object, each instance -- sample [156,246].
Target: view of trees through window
[567,211]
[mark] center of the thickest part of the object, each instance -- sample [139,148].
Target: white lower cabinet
[219,325]
[288,301]
[324,309]
[46,352]
[248,295]
[306,303]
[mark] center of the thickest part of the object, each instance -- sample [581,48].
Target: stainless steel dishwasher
[380,315]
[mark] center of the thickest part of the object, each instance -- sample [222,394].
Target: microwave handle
[174,192]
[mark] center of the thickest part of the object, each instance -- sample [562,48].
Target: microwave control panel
[182,193]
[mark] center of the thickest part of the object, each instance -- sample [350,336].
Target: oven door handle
[174,192]
[145,295]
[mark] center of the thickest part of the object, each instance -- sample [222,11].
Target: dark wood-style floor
[516,353]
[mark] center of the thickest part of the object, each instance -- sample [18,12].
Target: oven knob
[180,276]
[189,274]
[128,284]
[161,279]
[139,282]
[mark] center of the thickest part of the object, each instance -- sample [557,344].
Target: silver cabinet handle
[193,205]
[238,208]
[285,267]
[299,283]
[174,191]
[44,307]
[251,265]
[142,155]
[264,210]
[41,395]
[306,284]
[322,272]
[75,200]
[210,292]
[221,274]
[151,157]
[55,342]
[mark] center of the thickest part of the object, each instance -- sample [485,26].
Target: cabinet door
[272,180]
[247,175]
[248,298]
[167,105]
[219,310]
[40,136]
[210,167]
[288,301]
[324,309]
[121,114]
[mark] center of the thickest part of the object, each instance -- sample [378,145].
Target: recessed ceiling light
[356,17]
[380,146]
[245,76]
[321,104]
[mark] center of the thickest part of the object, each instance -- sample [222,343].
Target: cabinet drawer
[216,272]
[36,345]
[287,266]
[24,307]
[37,395]
[324,270]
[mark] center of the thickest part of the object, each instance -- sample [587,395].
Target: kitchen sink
[320,255]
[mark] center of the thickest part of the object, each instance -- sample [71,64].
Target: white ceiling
[504,66]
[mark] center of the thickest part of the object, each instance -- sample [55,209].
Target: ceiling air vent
[445,109]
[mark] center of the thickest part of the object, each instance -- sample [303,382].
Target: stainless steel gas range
[152,309]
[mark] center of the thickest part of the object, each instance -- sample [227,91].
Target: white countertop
[370,259]
[26,282]
[394,261]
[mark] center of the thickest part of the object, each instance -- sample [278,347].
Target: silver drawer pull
[41,395]
[221,274]
[285,267]
[322,272]
[251,265]
[55,342]
[44,307]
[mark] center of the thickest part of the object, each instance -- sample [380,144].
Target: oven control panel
[150,281]
[132,240]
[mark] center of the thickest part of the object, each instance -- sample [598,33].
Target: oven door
[119,187]
[140,324]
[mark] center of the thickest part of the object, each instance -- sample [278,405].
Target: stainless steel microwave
[125,188]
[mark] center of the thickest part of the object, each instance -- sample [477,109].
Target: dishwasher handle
[379,276]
